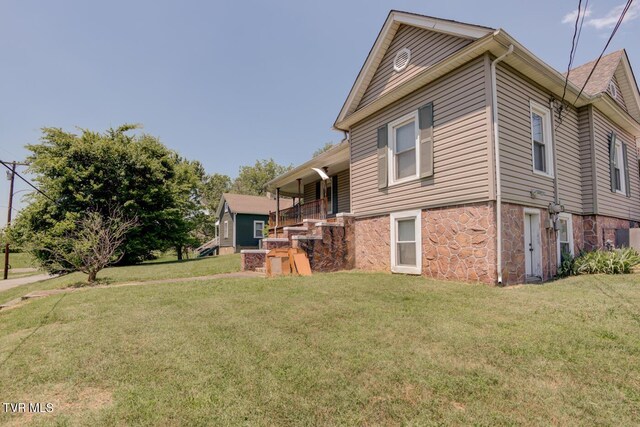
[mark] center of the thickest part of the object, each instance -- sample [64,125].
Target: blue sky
[231,82]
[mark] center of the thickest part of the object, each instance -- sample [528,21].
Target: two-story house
[461,162]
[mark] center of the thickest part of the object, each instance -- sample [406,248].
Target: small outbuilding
[242,220]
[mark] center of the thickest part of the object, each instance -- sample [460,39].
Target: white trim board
[393,217]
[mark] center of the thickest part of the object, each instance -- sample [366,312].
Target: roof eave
[386,33]
[616,113]
[496,43]
[340,151]
[425,77]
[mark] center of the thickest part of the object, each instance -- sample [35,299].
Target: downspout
[556,197]
[496,151]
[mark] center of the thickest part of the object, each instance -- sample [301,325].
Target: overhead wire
[577,31]
[26,181]
[613,33]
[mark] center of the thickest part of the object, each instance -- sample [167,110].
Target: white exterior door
[532,244]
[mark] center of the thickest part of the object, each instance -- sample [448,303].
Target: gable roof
[602,75]
[388,31]
[257,205]
[496,43]
[614,64]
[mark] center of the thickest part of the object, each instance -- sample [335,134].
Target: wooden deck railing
[316,209]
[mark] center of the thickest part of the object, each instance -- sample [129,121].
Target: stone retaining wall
[252,259]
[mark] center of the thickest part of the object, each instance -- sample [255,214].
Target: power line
[574,46]
[26,181]
[577,31]
[615,29]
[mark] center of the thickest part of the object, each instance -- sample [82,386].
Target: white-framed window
[258,226]
[565,235]
[541,143]
[406,242]
[618,169]
[404,149]
[226,229]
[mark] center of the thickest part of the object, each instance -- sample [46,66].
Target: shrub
[567,265]
[617,261]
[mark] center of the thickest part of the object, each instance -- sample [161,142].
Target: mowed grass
[331,349]
[19,260]
[155,270]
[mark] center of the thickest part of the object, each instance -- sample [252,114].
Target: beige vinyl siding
[609,203]
[586,160]
[343,191]
[516,157]
[309,192]
[427,48]
[460,147]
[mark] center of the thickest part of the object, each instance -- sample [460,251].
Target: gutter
[496,151]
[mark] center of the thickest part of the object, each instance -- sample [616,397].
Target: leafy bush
[617,261]
[567,265]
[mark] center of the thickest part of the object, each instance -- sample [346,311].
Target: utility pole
[11,175]
[6,246]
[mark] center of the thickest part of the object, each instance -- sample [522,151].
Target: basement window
[406,242]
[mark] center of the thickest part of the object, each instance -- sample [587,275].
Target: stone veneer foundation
[598,230]
[458,243]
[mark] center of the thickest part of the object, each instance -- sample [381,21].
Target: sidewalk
[45,293]
[12,283]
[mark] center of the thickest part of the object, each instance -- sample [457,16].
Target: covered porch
[320,189]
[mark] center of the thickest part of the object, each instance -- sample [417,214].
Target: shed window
[226,229]
[258,226]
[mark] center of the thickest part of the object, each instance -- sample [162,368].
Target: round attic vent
[401,60]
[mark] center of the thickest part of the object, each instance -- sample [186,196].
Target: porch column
[325,199]
[299,210]
[277,210]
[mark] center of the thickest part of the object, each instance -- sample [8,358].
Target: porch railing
[316,209]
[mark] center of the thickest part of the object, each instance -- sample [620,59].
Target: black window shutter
[627,184]
[317,190]
[612,161]
[383,175]
[334,194]
[425,118]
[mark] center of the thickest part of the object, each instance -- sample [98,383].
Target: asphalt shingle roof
[260,205]
[602,75]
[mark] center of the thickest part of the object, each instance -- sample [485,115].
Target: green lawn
[142,272]
[332,349]
[19,260]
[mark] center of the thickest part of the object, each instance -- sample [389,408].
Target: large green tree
[96,172]
[213,187]
[252,179]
